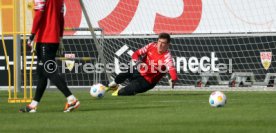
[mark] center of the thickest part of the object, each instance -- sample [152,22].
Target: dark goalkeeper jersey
[48,24]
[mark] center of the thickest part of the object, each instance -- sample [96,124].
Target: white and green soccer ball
[217,99]
[97,90]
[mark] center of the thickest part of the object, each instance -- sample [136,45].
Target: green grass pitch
[152,112]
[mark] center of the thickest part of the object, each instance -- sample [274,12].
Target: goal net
[225,37]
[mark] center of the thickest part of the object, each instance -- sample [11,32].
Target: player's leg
[49,54]
[128,90]
[41,83]
[42,79]
[72,102]
[145,86]
[40,88]
[48,58]
[120,78]
[138,85]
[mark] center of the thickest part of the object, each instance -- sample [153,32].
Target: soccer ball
[97,90]
[217,99]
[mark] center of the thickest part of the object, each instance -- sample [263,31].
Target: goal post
[98,46]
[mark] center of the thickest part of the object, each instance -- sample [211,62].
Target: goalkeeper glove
[30,42]
[60,48]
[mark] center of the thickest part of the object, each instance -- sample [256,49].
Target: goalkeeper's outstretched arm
[172,71]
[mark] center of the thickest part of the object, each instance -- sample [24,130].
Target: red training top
[48,23]
[155,64]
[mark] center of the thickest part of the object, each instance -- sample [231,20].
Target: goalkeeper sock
[33,104]
[112,84]
[71,99]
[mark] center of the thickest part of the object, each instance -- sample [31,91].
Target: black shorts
[46,53]
[137,84]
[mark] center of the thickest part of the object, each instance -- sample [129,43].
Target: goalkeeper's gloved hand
[60,50]
[172,83]
[30,42]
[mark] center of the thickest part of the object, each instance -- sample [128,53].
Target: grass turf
[152,112]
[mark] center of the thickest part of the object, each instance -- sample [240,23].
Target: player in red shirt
[156,62]
[47,31]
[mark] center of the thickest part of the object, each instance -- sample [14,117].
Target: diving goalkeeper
[47,31]
[155,63]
